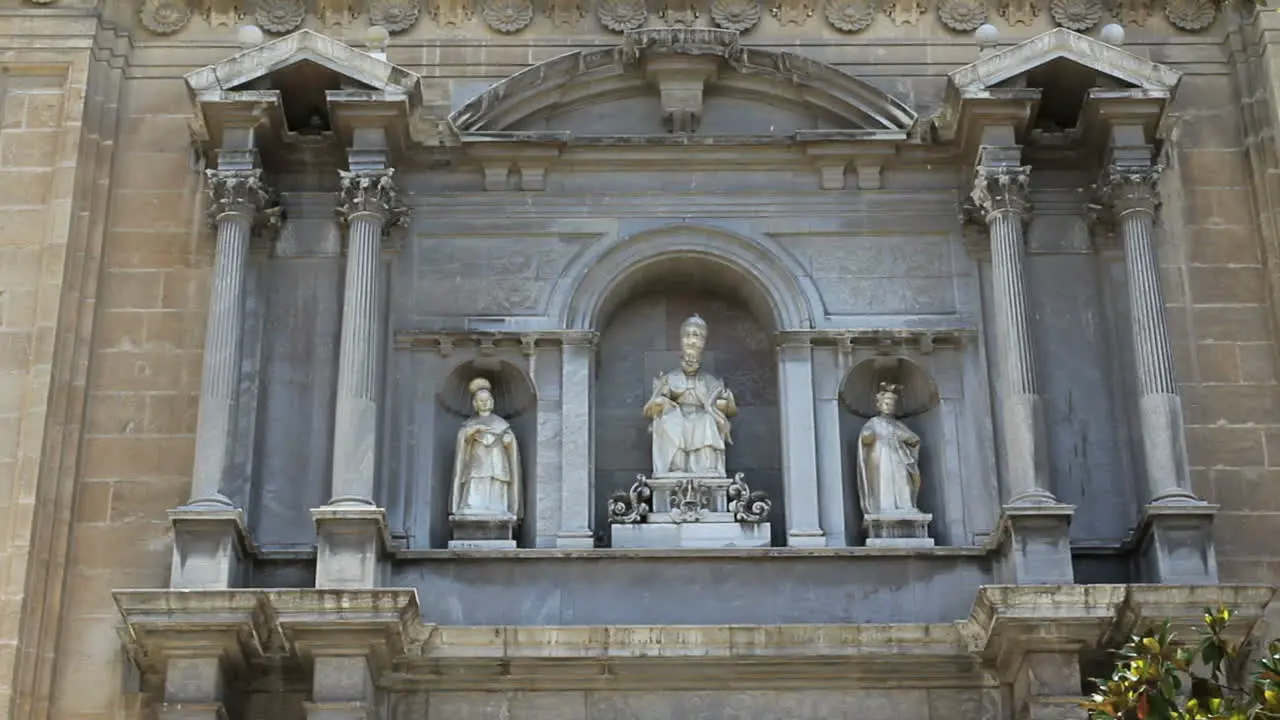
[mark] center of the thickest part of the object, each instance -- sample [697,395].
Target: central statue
[689,412]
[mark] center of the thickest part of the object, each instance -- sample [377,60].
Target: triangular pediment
[1060,43]
[362,70]
[624,90]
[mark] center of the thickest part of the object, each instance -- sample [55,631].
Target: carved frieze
[791,12]
[906,12]
[962,15]
[164,17]
[850,15]
[508,16]
[679,13]
[740,15]
[1132,12]
[1019,12]
[451,12]
[337,13]
[280,16]
[564,13]
[1191,15]
[222,13]
[394,15]
[622,15]
[1078,15]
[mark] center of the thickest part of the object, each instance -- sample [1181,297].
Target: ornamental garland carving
[1078,15]
[1190,15]
[280,16]
[962,15]
[508,16]
[740,15]
[622,15]
[394,15]
[906,12]
[164,17]
[850,15]
[791,12]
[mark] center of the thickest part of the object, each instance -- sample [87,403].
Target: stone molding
[487,344]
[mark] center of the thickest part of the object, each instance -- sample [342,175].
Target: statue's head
[887,398]
[481,395]
[693,339]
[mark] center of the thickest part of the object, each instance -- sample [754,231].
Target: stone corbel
[336,13]
[833,156]
[222,13]
[529,163]
[681,80]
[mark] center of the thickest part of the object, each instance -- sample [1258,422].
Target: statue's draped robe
[689,437]
[888,467]
[486,471]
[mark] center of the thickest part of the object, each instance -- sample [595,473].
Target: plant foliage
[1158,678]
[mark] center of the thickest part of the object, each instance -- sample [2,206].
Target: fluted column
[1000,193]
[369,201]
[236,198]
[1132,193]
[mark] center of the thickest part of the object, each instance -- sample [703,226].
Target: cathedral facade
[629,359]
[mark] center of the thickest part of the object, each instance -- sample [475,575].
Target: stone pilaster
[1033,533]
[1177,543]
[193,689]
[351,526]
[209,530]
[799,444]
[577,445]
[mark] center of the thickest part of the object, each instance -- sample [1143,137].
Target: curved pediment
[684,81]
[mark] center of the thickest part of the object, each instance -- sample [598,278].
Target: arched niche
[918,408]
[639,320]
[515,400]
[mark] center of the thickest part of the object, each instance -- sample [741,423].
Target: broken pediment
[682,81]
[304,88]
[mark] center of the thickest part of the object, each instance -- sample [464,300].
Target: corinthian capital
[1132,187]
[237,191]
[1001,188]
[371,192]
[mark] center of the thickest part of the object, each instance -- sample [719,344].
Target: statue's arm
[726,403]
[868,435]
[659,400]
[459,465]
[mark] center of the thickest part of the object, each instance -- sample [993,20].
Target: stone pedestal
[710,534]
[678,510]
[350,541]
[208,546]
[1176,544]
[1035,545]
[898,530]
[483,532]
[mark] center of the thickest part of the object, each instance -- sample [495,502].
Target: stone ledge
[690,553]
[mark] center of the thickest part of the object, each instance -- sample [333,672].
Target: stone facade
[247,278]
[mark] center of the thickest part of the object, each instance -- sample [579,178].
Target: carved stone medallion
[164,17]
[850,15]
[1078,15]
[906,12]
[962,15]
[622,15]
[508,16]
[1190,15]
[280,16]
[394,15]
[740,15]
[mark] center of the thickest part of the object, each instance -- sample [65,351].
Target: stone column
[352,527]
[1034,524]
[799,444]
[209,529]
[576,443]
[1175,519]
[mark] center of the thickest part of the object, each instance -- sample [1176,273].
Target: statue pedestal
[898,530]
[483,532]
[690,511]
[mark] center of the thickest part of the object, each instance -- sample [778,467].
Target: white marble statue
[486,470]
[690,412]
[888,460]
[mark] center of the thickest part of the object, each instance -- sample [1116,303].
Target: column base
[1034,545]
[209,543]
[806,538]
[351,541]
[192,711]
[1175,545]
[338,711]
[581,540]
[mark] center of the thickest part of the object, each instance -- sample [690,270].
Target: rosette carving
[1191,15]
[280,16]
[394,15]
[850,15]
[1078,15]
[508,16]
[622,15]
[962,15]
[164,17]
[740,15]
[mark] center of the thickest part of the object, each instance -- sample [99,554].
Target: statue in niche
[888,460]
[486,471]
[689,412]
